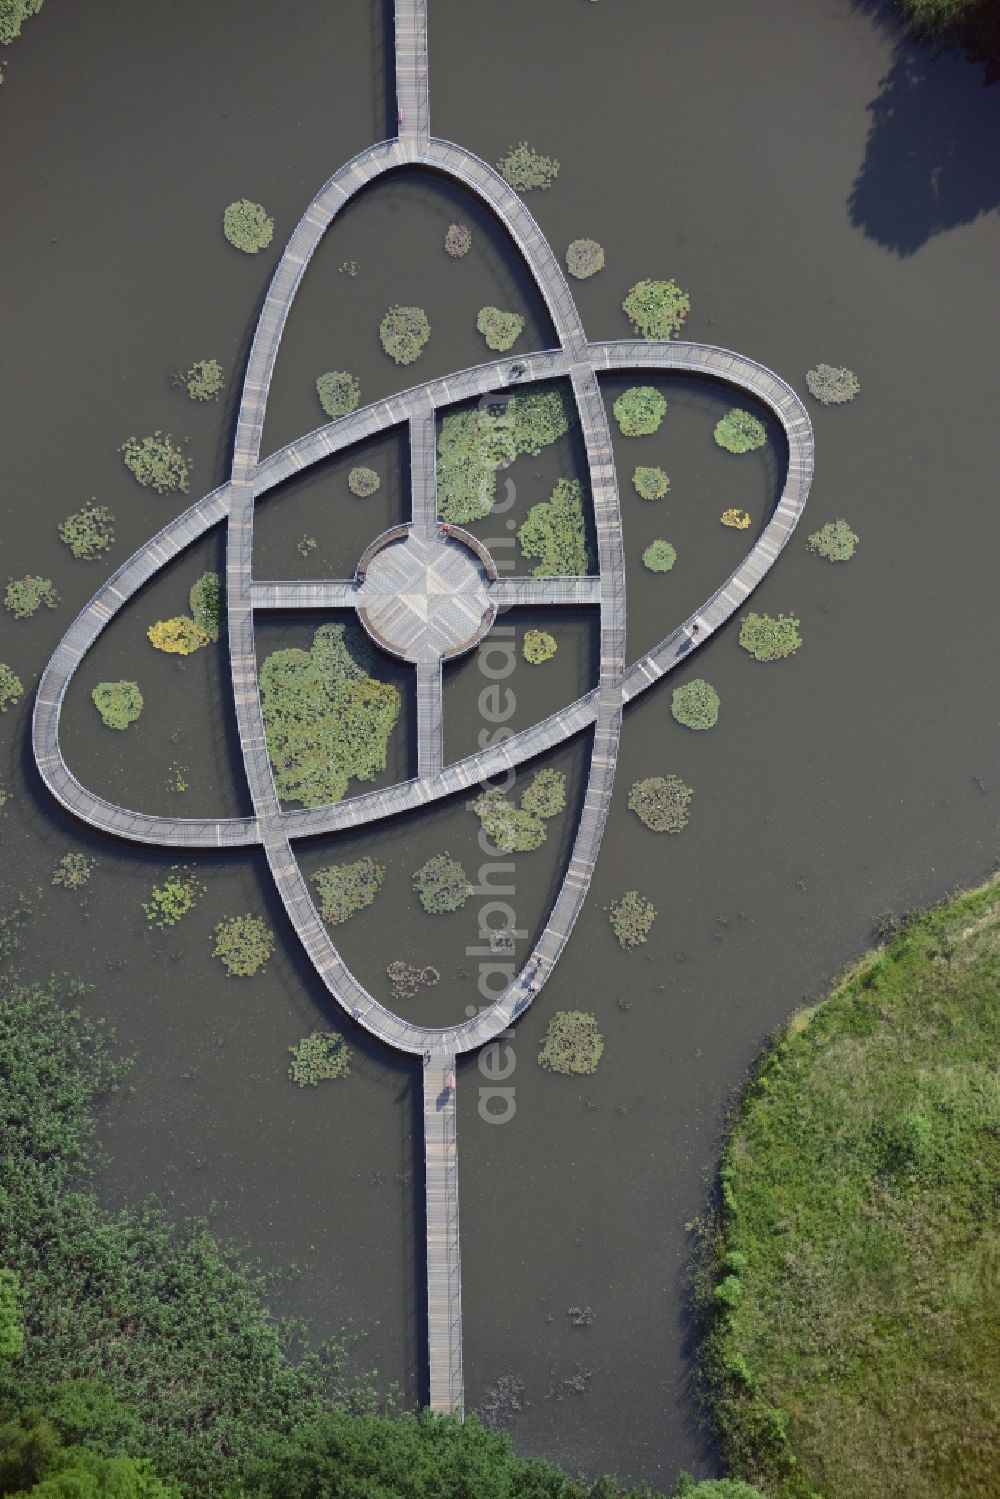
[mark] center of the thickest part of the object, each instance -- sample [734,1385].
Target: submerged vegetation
[247,226]
[118,703]
[661,802]
[650,483]
[157,463]
[23,597]
[11,687]
[363,482]
[640,410]
[474,444]
[659,557]
[326,719]
[458,240]
[88,532]
[442,885]
[538,646]
[168,902]
[500,329]
[572,1044]
[770,637]
[696,704]
[832,386]
[347,888]
[835,541]
[631,918]
[657,309]
[584,257]
[851,1298]
[556,533]
[403,333]
[740,432]
[525,168]
[339,392]
[319,1057]
[243,944]
[179,636]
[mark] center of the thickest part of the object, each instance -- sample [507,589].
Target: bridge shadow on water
[932,158]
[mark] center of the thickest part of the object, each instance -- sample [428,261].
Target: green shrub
[442,885]
[156,463]
[740,432]
[168,902]
[659,557]
[572,1044]
[13,14]
[88,532]
[500,329]
[650,483]
[118,703]
[631,918]
[203,381]
[640,410]
[510,828]
[347,888]
[525,168]
[473,444]
[247,226]
[831,385]
[657,309]
[555,532]
[770,637]
[661,802]
[11,1331]
[207,601]
[11,687]
[404,331]
[584,257]
[363,482]
[538,646]
[243,945]
[545,793]
[25,596]
[695,705]
[458,240]
[319,1057]
[326,719]
[73,871]
[339,393]
[835,541]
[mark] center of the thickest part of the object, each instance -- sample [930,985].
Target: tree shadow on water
[932,158]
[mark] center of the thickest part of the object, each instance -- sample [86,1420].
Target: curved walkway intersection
[444,599]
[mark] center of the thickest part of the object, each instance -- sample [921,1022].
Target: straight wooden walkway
[444,1263]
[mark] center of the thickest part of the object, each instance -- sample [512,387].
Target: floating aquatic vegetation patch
[363,482]
[442,884]
[171,900]
[832,385]
[661,802]
[319,1057]
[525,168]
[696,704]
[659,557]
[500,329]
[347,888]
[243,944]
[555,532]
[339,392]
[631,918]
[73,871]
[88,532]
[740,432]
[769,637]
[538,646]
[584,257]
[657,309]
[835,541]
[156,462]
[572,1044]
[247,226]
[403,332]
[640,410]
[650,483]
[474,444]
[23,597]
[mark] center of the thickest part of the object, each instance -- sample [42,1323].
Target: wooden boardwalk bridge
[467,594]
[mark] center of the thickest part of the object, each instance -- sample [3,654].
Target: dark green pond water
[824,190]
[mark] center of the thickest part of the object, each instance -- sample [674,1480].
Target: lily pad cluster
[538,646]
[769,637]
[207,600]
[835,541]
[118,703]
[363,482]
[458,240]
[319,1057]
[525,168]
[23,597]
[73,871]
[474,444]
[631,918]
[204,380]
[168,902]
[657,309]
[584,258]
[572,1044]
[11,687]
[157,463]
[555,533]
[650,483]
[696,704]
[442,884]
[659,557]
[326,719]
[521,829]
[243,944]
[640,410]
[661,802]
[736,519]
[179,636]
[740,432]
[832,384]
[403,333]
[346,888]
[407,980]
[247,226]
[500,329]
[339,393]
[88,532]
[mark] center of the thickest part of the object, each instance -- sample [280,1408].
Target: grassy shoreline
[850,1291]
